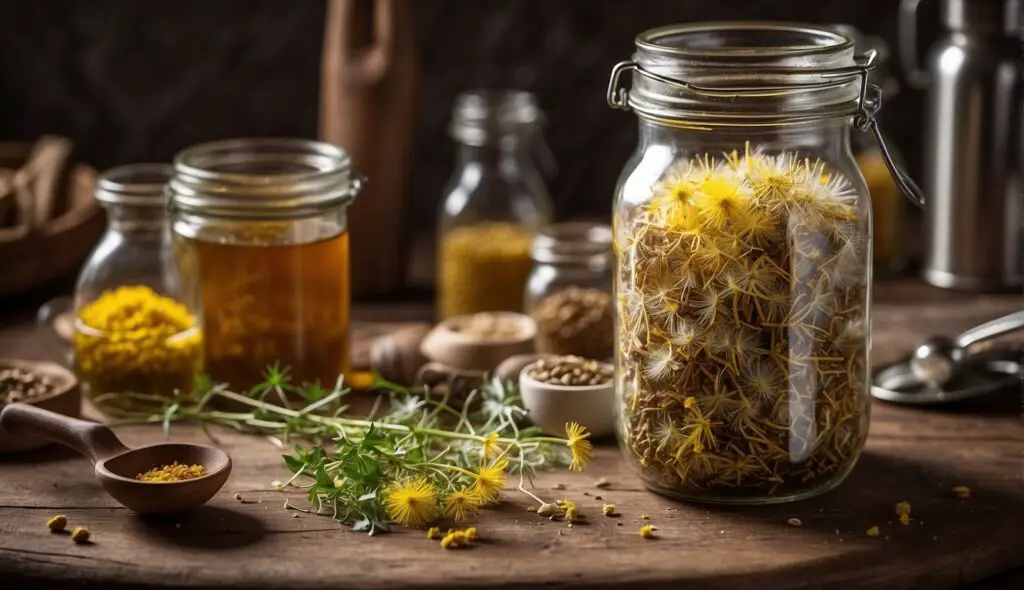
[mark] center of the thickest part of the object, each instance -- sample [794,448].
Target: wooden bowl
[448,344]
[66,399]
[56,248]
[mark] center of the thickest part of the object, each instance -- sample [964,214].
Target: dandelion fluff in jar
[742,240]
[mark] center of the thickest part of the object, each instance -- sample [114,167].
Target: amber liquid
[266,304]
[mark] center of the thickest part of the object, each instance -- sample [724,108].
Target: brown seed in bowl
[570,371]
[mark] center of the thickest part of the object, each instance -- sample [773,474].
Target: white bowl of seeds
[569,389]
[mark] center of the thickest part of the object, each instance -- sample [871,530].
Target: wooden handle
[90,439]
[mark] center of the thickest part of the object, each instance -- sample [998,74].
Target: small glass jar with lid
[742,233]
[495,202]
[260,225]
[569,291]
[136,326]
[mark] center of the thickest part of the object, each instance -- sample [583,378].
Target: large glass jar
[569,291]
[495,202]
[260,224]
[135,327]
[742,231]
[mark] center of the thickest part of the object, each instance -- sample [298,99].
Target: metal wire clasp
[868,102]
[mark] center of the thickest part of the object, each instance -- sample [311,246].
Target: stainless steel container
[972,136]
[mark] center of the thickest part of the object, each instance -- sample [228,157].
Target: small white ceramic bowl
[552,406]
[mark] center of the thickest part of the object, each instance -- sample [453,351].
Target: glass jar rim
[743,73]
[137,185]
[262,178]
[487,115]
[573,242]
[651,41]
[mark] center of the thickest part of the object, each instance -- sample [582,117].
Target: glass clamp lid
[704,75]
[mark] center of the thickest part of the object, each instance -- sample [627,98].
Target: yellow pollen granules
[647,531]
[608,509]
[173,472]
[873,532]
[57,523]
[433,533]
[80,535]
[903,510]
[134,340]
[962,492]
[645,516]
[456,539]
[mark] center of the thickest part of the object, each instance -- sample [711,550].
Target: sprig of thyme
[421,460]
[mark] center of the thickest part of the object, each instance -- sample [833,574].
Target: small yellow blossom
[80,535]
[903,510]
[490,480]
[582,449]
[608,509]
[57,523]
[413,503]
[873,532]
[490,446]
[647,531]
[433,533]
[962,492]
[568,509]
[462,504]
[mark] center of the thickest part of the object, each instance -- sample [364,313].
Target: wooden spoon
[117,465]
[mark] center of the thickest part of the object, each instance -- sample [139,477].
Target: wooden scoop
[117,466]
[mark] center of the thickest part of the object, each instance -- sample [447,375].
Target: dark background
[132,81]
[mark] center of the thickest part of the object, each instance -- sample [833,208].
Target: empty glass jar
[136,327]
[260,227]
[742,230]
[495,203]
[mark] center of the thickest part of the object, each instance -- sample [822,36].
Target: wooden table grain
[912,454]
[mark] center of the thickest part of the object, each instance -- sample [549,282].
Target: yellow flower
[647,531]
[723,199]
[413,503]
[490,480]
[582,449]
[490,446]
[461,504]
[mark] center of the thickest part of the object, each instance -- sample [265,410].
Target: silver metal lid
[487,116]
[262,178]
[135,185]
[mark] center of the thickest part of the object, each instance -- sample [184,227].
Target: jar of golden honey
[135,326]
[260,225]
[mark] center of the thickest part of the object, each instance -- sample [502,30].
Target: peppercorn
[571,371]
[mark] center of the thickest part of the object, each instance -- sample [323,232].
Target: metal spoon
[117,465]
[936,360]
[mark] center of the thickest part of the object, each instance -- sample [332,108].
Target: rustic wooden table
[912,454]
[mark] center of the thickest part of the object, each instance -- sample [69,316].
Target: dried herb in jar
[576,321]
[483,267]
[742,337]
[133,340]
